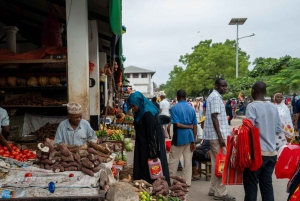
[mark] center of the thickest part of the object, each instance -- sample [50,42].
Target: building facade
[140,79]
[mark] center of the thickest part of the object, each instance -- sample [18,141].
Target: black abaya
[149,143]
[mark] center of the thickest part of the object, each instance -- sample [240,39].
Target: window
[144,75]
[135,75]
[127,75]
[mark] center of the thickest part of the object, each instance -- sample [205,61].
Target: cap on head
[74,108]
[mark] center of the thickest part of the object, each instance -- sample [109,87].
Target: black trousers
[199,155]
[263,177]
[163,119]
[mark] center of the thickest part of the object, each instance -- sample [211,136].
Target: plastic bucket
[168,145]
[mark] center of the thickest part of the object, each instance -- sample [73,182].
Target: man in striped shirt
[216,130]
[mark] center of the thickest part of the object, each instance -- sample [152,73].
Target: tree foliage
[287,80]
[207,62]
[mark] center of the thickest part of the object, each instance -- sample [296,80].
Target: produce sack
[287,162]
[231,176]
[220,162]
[51,31]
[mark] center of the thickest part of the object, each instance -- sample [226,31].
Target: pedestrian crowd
[197,139]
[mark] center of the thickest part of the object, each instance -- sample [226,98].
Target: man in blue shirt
[184,120]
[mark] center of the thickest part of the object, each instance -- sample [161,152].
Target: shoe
[211,194]
[179,169]
[225,198]
[196,178]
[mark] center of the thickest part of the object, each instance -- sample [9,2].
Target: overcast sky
[159,31]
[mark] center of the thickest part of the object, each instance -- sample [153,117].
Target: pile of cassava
[46,131]
[179,188]
[62,157]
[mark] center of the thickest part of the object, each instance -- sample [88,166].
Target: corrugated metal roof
[134,69]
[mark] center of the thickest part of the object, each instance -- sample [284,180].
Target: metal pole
[237,51]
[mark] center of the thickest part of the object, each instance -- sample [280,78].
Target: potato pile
[46,131]
[85,158]
[160,187]
[34,100]
[178,188]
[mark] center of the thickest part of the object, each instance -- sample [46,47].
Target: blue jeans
[200,113]
[263,176]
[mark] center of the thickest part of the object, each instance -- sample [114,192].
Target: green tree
[287,80]
[161,87]
[207,62]
[269,66]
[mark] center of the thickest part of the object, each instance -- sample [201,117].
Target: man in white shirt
[4,123]
[164,107]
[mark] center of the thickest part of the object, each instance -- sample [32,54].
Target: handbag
[220,162]
[287,162]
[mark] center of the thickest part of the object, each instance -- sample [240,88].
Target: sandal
[196,178]
[225,198]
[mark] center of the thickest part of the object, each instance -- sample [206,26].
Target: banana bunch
[116,132]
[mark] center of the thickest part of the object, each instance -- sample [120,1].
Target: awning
[115,16]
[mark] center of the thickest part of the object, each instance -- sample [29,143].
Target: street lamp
[237,22]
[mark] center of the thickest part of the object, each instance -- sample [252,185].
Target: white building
[140,79]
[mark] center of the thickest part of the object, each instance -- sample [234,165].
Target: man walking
[184,120]
[264,115]
[216,130]
[164,107]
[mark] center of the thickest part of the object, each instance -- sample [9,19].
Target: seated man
[74,130]
[202,150]
[4,123]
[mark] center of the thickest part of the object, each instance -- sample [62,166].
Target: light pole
[237,22]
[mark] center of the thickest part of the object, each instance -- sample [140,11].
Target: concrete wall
[143,85]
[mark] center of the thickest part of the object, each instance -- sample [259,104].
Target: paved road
[199,188]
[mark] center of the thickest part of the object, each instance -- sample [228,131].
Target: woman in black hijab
[229,111]
[154,102]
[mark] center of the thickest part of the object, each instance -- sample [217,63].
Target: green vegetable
[129,147]
[127,141]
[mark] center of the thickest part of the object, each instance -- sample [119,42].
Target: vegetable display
[179,188]
[46,131]
[160,187]
[12,81]
[16,153]
[2,82]
[32,81]
[35,100]
[21,82]
[85,158]
[43,81]
[54,81]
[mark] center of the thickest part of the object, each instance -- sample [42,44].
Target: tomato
[6,155]
[16,149]
[30,151]
[5,148]
[11,156]
[7,152]
[15,153]
[28,174]
[1,147]
[71,175]
[28,155]
[24,151]
[1,151]
[18,158]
